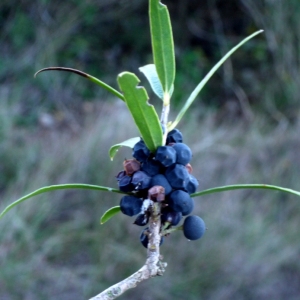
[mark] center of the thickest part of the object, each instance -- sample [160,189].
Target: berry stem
[168,231]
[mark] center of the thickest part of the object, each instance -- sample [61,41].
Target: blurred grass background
[243,128]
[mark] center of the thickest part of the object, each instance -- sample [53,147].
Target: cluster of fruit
[164,176]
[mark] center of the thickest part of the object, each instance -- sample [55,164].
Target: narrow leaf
[143,113]
[109,214]
[90,77]
[199,87]
[128,143]
[245,186]
[162,44]
[150,72]
[59,187]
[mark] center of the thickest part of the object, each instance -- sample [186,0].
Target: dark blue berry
[170,216]
[125,184]
[161,180]
[174,136]
[151,167]
[140,180]
[140,151]
[192,185]
[144,238]
[120,175]
[141,220]
[166,155]
[178,176]
[184,153]
[181,201]
[193,228]
[131,205]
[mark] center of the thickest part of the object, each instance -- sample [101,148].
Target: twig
[153,266]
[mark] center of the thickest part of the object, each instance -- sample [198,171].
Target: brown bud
[156,193]
[131,166]
[189,168]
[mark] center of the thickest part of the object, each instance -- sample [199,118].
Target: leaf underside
[59,187]
[109,214]
[128,143]
[150,72]
[143,113]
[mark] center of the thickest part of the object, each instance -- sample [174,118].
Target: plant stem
[165,114]
[153,266]
[166,109]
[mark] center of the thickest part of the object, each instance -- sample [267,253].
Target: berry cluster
[164,176]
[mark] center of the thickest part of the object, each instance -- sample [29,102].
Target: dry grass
[53,246]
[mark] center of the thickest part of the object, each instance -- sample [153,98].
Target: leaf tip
[63,69]
[36,73]
[122,74]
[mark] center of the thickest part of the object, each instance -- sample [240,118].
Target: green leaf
[199,87]
[162,44]
[128,143]
[244,186]
[60,187]
[143,113]
[150,72]
[85,75]
[109,214]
